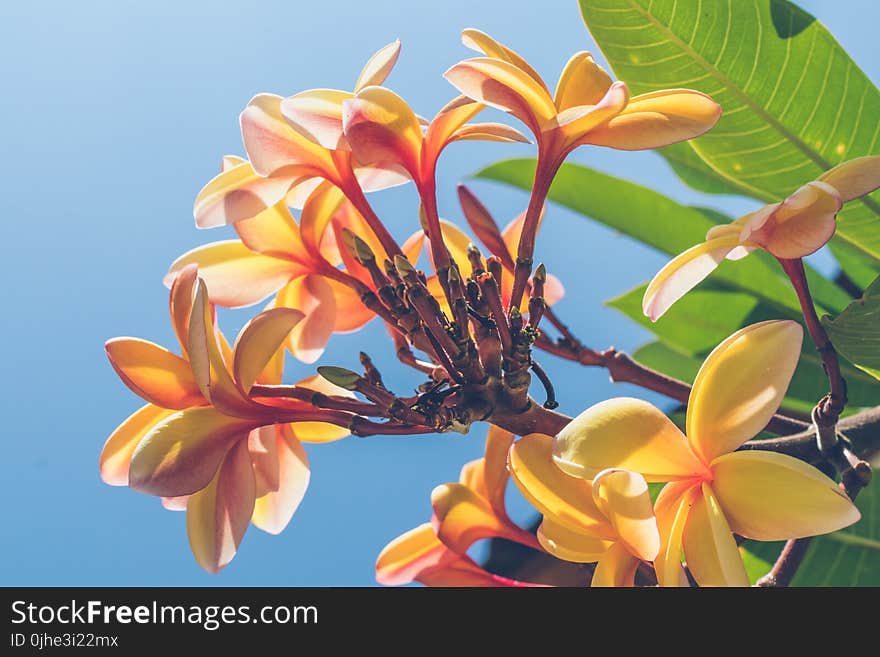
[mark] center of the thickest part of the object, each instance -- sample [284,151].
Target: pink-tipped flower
[798,226]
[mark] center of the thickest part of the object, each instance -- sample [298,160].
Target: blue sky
[114,114]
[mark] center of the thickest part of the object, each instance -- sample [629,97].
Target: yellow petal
[804,222]
[482,42]
[218,515]
[228,162]
[154,373]
[273,372]
[503,86]
[684,272]
[565,500]
[854,178]
[320,432]
[569,545]
[180,303]
[404,558]
[381,127]
[274,147]
[709,548]
[351,313]
[577,123]
[616,568]
[457,242]
[774,497]
[312,296]
[380,175]
[658,119]
[672,508]
[263,447]
[235,275]
[317,115]
[318,211]
[496,475]
[116,455]
[582,82]
[274,509]
[180,454]
[273,232]
[206,359]
[740,385]
[238,193]
[378,67]
[623,497]
[489,132]
[625,433]
[418,555]
[462,517]
[448,121]
[259,340]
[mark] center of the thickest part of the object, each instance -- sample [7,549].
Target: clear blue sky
[114,114]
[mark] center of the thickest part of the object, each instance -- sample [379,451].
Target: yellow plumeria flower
[587,107]
[202,443]
[609,520]
[794,228]
[714,490]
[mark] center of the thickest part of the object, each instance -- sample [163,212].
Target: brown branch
[829,408]
[786,566]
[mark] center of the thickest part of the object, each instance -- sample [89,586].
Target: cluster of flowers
[590,483]
[214,440]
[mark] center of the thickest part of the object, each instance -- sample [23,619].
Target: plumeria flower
[290,154]
[714,490]
[587,107]
[296,262]
[464,512]
[380,127]
[501,243]
[201,443]
[794,228]
[609,520]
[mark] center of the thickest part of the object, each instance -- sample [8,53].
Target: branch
[829,408]
[787,564]
[860,431]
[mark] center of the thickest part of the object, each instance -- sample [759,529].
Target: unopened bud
[357,247]
[340,376]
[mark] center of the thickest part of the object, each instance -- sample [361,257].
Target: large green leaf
[850,557]
[663,223]
[855,333]
[794,102]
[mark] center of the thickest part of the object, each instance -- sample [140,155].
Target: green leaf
[855,332]
[794,102]
[663,223]
[697,323]
[693,171]
[850,557]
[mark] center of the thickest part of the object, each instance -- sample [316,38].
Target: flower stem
[544,174]
[829,408]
